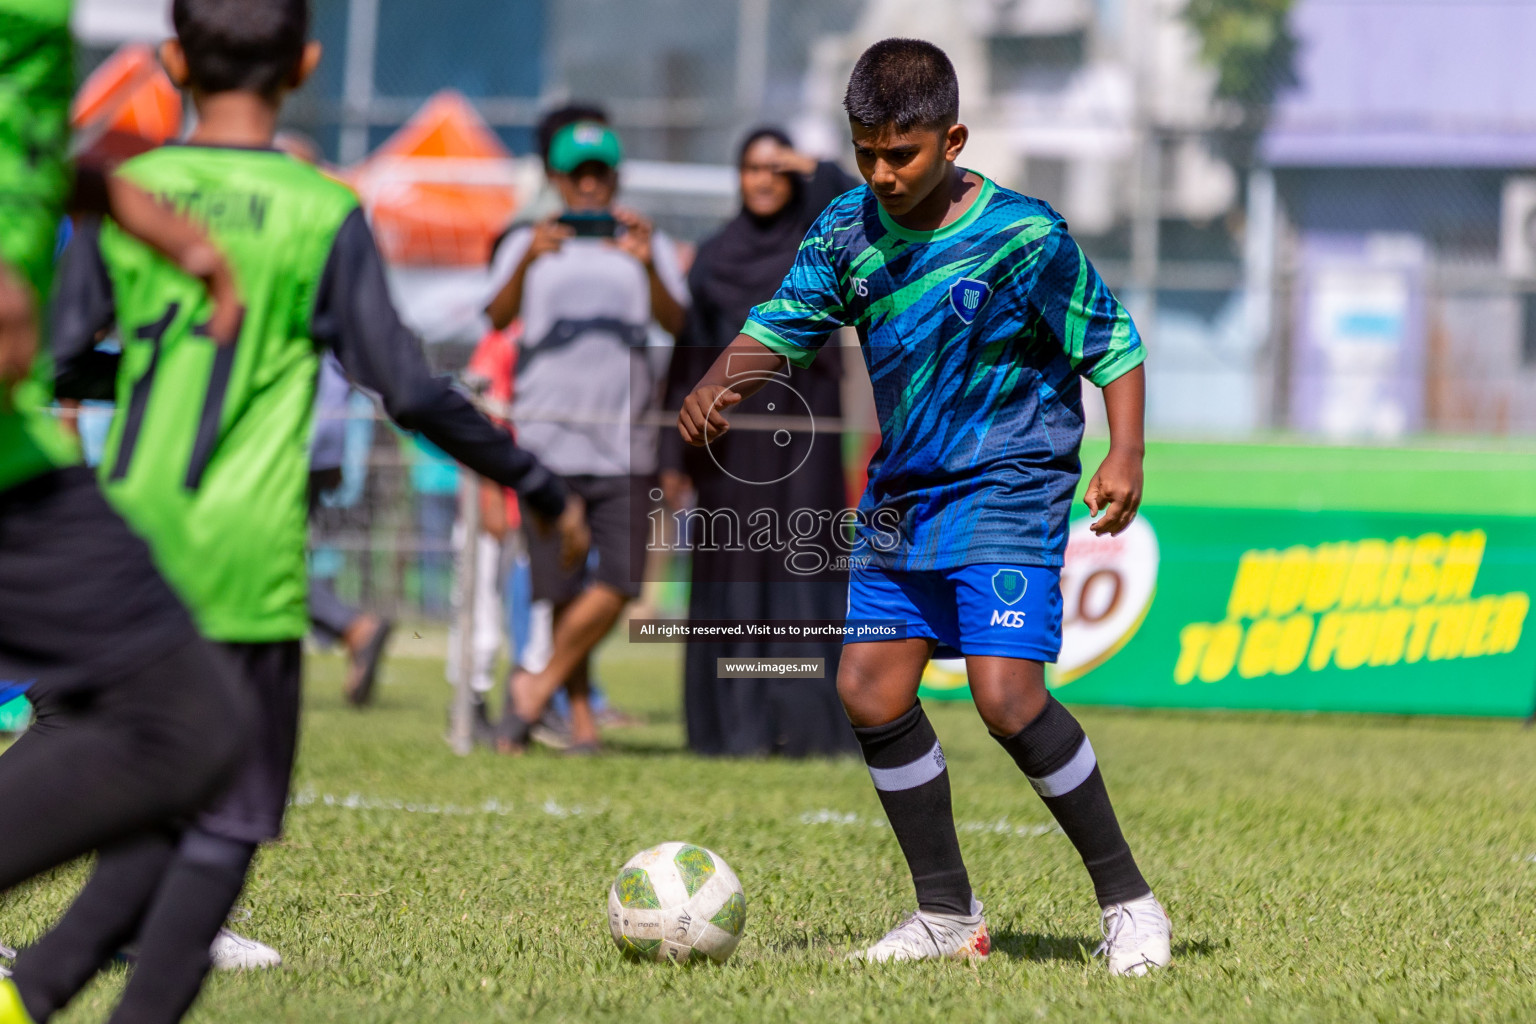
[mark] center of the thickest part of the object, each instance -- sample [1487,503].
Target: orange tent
[440,189]
[126,106]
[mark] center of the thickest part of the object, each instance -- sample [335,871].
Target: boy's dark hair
[909,83]
[550,124]
[241,45]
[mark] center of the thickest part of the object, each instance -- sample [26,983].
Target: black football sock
[907,764]
[102,919]
[1056,757]
[194,901]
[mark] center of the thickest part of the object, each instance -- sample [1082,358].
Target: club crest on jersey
[1009,585]
[968,295]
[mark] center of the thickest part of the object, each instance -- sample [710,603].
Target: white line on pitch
[555,809]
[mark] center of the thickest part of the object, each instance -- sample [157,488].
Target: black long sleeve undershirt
[355,317]
[84,309]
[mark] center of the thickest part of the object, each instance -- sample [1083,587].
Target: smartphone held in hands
[599,224]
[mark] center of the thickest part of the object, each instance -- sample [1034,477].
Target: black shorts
[617,520]
[252,808]
[81,602]
[102,764]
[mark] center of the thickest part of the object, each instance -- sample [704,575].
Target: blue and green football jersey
[975,336]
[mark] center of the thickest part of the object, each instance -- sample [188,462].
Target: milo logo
[1107,585]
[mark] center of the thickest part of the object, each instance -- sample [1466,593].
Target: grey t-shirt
[590,360]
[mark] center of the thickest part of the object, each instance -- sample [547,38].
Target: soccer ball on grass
[677,902]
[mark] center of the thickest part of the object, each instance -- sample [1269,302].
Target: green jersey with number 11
[207,456]
[208,453]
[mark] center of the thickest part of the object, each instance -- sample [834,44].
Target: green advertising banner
[1285,610]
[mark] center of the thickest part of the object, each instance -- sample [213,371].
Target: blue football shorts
[1004,611]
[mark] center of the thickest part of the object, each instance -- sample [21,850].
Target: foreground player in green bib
[207,456]
[139,721]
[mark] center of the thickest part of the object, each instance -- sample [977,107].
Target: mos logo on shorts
[1009,585]
[968,296]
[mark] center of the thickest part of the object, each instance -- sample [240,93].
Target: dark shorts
[102,764]
[252,808]
[618,524]
[81,602]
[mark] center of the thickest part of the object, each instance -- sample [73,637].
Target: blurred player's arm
[1098,336]
[145,218]
[174,236]
[355,316]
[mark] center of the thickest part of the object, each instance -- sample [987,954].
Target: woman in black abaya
[769,472]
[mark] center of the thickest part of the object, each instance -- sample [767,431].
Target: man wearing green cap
[588,285]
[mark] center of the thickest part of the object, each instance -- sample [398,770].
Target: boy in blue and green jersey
[139,721]
[978,315]
[207,456]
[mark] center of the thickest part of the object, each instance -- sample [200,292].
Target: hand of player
[702,418]
[635,239]
[1115,490]
[18,329]
[207,264]
[575,535]
[184,243]
[548,236]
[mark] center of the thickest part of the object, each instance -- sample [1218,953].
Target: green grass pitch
[1317,869]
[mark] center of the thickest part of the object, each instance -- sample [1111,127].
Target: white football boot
[234,952]
[1137,936]
[925,936]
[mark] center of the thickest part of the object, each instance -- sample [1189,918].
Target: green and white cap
[582,142]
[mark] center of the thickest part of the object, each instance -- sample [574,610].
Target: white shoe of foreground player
[1137,936]
[234,952]
[925,936]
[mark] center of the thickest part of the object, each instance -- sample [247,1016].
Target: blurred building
[1404,163]
[1058,91]
[1104,109]
[1099,106]
[679,76]
[1374,274]
[1060,96]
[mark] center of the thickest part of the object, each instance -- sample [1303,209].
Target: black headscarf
[743,263]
